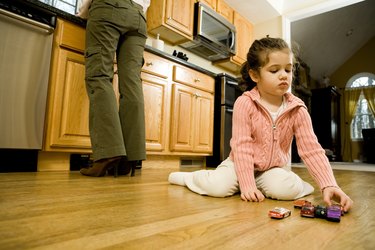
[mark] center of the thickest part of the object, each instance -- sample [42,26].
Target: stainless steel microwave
[214,36]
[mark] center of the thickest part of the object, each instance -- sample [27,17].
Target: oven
[25,52]
[226,92]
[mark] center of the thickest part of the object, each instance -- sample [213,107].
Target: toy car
[300,203]
[334,213]
[279,213]
[308,210]
[320,212]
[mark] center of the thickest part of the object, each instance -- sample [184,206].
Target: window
[363,117]
[65,5]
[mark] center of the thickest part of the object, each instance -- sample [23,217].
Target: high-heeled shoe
[124,168]
[100,168]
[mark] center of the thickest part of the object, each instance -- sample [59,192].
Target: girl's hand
[252,195]
[334,193]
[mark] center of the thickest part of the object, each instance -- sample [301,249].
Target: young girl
[265,119]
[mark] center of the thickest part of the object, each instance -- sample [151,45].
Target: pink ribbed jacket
[258,144]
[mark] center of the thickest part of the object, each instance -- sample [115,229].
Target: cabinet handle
[149,64]
[197,80]
[197,95]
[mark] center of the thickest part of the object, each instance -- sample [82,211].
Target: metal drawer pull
[197,95]
[149,64]
[197,80]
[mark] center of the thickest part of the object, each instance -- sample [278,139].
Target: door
[155,99]
[179,14]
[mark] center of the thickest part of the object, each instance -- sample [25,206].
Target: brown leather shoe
[124,168]
[99,168]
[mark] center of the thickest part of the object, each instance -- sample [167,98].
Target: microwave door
[214,29]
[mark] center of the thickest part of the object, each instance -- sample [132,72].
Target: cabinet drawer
[72,36]
[155,65]
[193,78]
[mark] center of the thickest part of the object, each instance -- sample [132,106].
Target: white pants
[275,183]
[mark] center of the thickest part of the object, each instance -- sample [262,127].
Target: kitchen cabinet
[225,10]
[67,108]
[156,90]
[163,82]
[171,19]
[192,109]
[244,40]
[210,3]
[192,120]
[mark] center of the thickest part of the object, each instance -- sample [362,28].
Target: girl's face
[275,78]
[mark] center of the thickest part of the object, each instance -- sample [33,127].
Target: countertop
[74,19]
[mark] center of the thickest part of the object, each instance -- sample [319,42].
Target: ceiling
[324,39]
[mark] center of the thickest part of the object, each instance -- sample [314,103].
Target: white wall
[271,27]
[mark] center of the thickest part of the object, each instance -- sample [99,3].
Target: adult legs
[104,122]
[132,115]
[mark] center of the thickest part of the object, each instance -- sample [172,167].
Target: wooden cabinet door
[225,10]
[179,15]
[244,37]
[155,92]
[182,115]
[203,122]
[67,125]
[191,120]
[210,3]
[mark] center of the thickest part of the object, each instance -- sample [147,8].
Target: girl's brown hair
[258,57]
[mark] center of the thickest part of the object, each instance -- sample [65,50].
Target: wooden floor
[65,210]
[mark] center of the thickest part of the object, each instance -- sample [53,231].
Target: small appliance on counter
[158,43]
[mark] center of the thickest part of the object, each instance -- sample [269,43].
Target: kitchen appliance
[226,92]
[25,52]
[214,36]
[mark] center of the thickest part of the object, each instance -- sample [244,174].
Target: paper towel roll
[158,44]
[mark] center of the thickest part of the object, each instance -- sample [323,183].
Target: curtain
[351,98]
[369,94]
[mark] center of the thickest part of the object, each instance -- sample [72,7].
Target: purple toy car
[334,213]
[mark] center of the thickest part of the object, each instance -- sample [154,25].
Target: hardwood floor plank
[65,210]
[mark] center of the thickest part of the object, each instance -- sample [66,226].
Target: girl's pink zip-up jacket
[259,144]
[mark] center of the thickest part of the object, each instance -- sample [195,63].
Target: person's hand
[83,11]
[252,195]
[336,194]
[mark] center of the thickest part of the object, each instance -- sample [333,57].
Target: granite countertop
[59,13]
[72,18]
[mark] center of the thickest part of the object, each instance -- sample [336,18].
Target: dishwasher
[25,52]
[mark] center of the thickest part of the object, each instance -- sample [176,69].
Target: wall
[271,27]
[361,61]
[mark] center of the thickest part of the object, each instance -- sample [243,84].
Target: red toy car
[308,210]
[300,203]
[279,213]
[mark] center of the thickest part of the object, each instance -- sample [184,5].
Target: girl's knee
[218,183]
[280,184]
